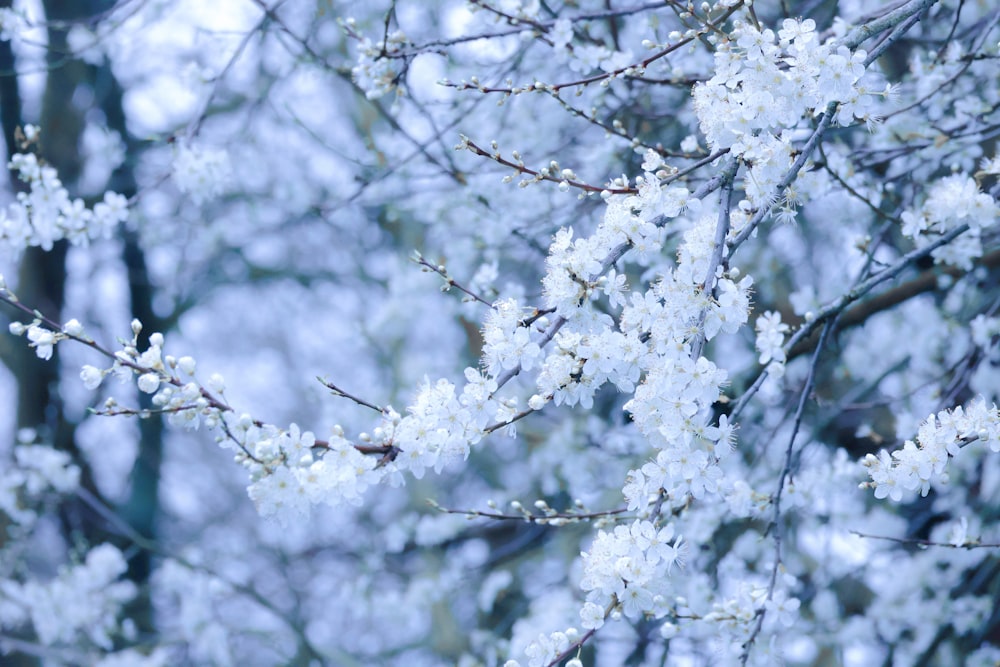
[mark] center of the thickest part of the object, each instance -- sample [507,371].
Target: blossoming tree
[501,333]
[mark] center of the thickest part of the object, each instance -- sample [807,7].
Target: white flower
[636,490]
[536,402]
[592,616]
[740,499]
[785,610]
[561,34]
[73,328]
[91,377]
[113,209]
[217,383]
[149,382]
[991,165]
[187,365]
[636,600]
[958,534]
[802,32]
[42,340]
[651,161]
[771,337]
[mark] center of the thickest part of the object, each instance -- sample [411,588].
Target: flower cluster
[46,213]
[771,339]
[647,351]
[375,71]
[952,201]
[13,24]
[506,340]
[198,596]
[170,379]
[571,268]
[984,329]
[82,601]
[923,461]
[289,470]
[584,58]
[546,648]
[203,173]
[289,473]
[442,423]
[37,469]
[733,617]
[670,405]
[627,570]
[636,302]
[765,83]
[43,340]
[690,469]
